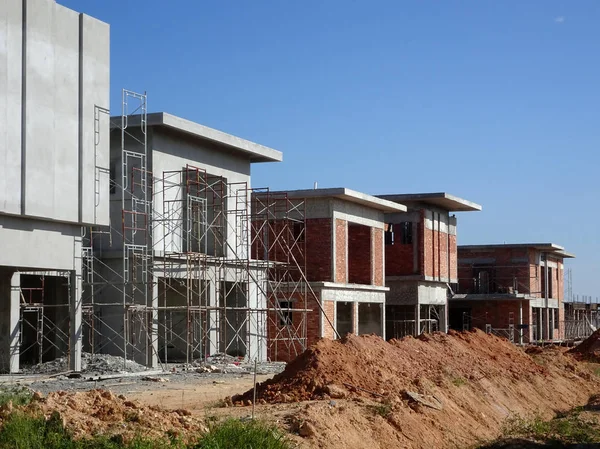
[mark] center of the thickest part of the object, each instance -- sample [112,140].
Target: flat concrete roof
[443,200]
[346,195]
[553,248]
[256,152]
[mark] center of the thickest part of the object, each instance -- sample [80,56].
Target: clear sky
[494,101]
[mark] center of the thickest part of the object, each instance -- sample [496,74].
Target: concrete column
[14,323]
[76,323]
[153,337]
[355,318]
[383,321]
[213,320]
[444,327]
[417,319]
[521,322]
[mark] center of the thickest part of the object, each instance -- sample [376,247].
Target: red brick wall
[426,240]
[443,252]
[399,259]
[453,257]
[283,341]
[359,254]
[503,271]
[318,249]
[497,314]
[341,240]
[329,308]
[378,256]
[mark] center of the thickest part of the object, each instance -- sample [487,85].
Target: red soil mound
[367,364]
[588,348]
[101,412]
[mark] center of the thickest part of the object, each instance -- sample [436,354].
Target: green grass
[459,381]
[384,409]
[568,428]
[234,434]
[23,431]
[18,396]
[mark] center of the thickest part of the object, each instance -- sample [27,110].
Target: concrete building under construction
[513,290]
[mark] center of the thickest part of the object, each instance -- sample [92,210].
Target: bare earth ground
[436,391]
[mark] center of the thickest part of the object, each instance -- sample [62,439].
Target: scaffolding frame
[205,263]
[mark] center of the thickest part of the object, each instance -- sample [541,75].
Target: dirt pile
[101,412]
[368,363]
[588,349]
[439,390]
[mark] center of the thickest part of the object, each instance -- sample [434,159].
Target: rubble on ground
[100,412]
[90,364]
[226,364]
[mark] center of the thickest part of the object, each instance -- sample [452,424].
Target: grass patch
[24,431]
[384,409]
[234,434]
[568,428]
[459,381]
[18,396]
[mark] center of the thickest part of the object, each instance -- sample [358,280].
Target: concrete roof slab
[346,195]
[443,200]
[256,152]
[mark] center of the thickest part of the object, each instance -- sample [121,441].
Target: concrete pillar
[521,322]
[14,323]
[76,322]
[212,321]
[355,318]
[417,319]
[383,321]
[444,327]
[153,337]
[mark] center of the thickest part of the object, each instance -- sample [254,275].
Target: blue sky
[496,102]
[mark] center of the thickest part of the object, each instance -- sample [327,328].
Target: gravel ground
[110,372]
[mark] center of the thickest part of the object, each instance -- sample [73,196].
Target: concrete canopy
[442,200]
[256,152]
[552,248]
[346,195]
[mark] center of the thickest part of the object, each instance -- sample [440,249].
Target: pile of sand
[588,349]
[359,363]
[439,390]
[100,412]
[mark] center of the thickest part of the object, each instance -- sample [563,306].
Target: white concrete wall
[26,243]
[170,152]
[11,16]
[50,164]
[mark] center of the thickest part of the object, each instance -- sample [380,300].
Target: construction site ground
[442,391]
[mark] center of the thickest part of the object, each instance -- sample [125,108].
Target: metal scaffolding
[195,265]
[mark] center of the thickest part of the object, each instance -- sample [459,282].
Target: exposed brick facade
[435,247]
[378,256]
[318,249]
[360,258]
[511,270]
[341,258]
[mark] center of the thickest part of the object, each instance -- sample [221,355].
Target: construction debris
[90,363]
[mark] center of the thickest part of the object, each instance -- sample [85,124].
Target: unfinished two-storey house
[339,242]
[513,290]
[420,261]
[171,279]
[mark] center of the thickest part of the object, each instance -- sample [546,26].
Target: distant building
[514,290]
[420,261]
